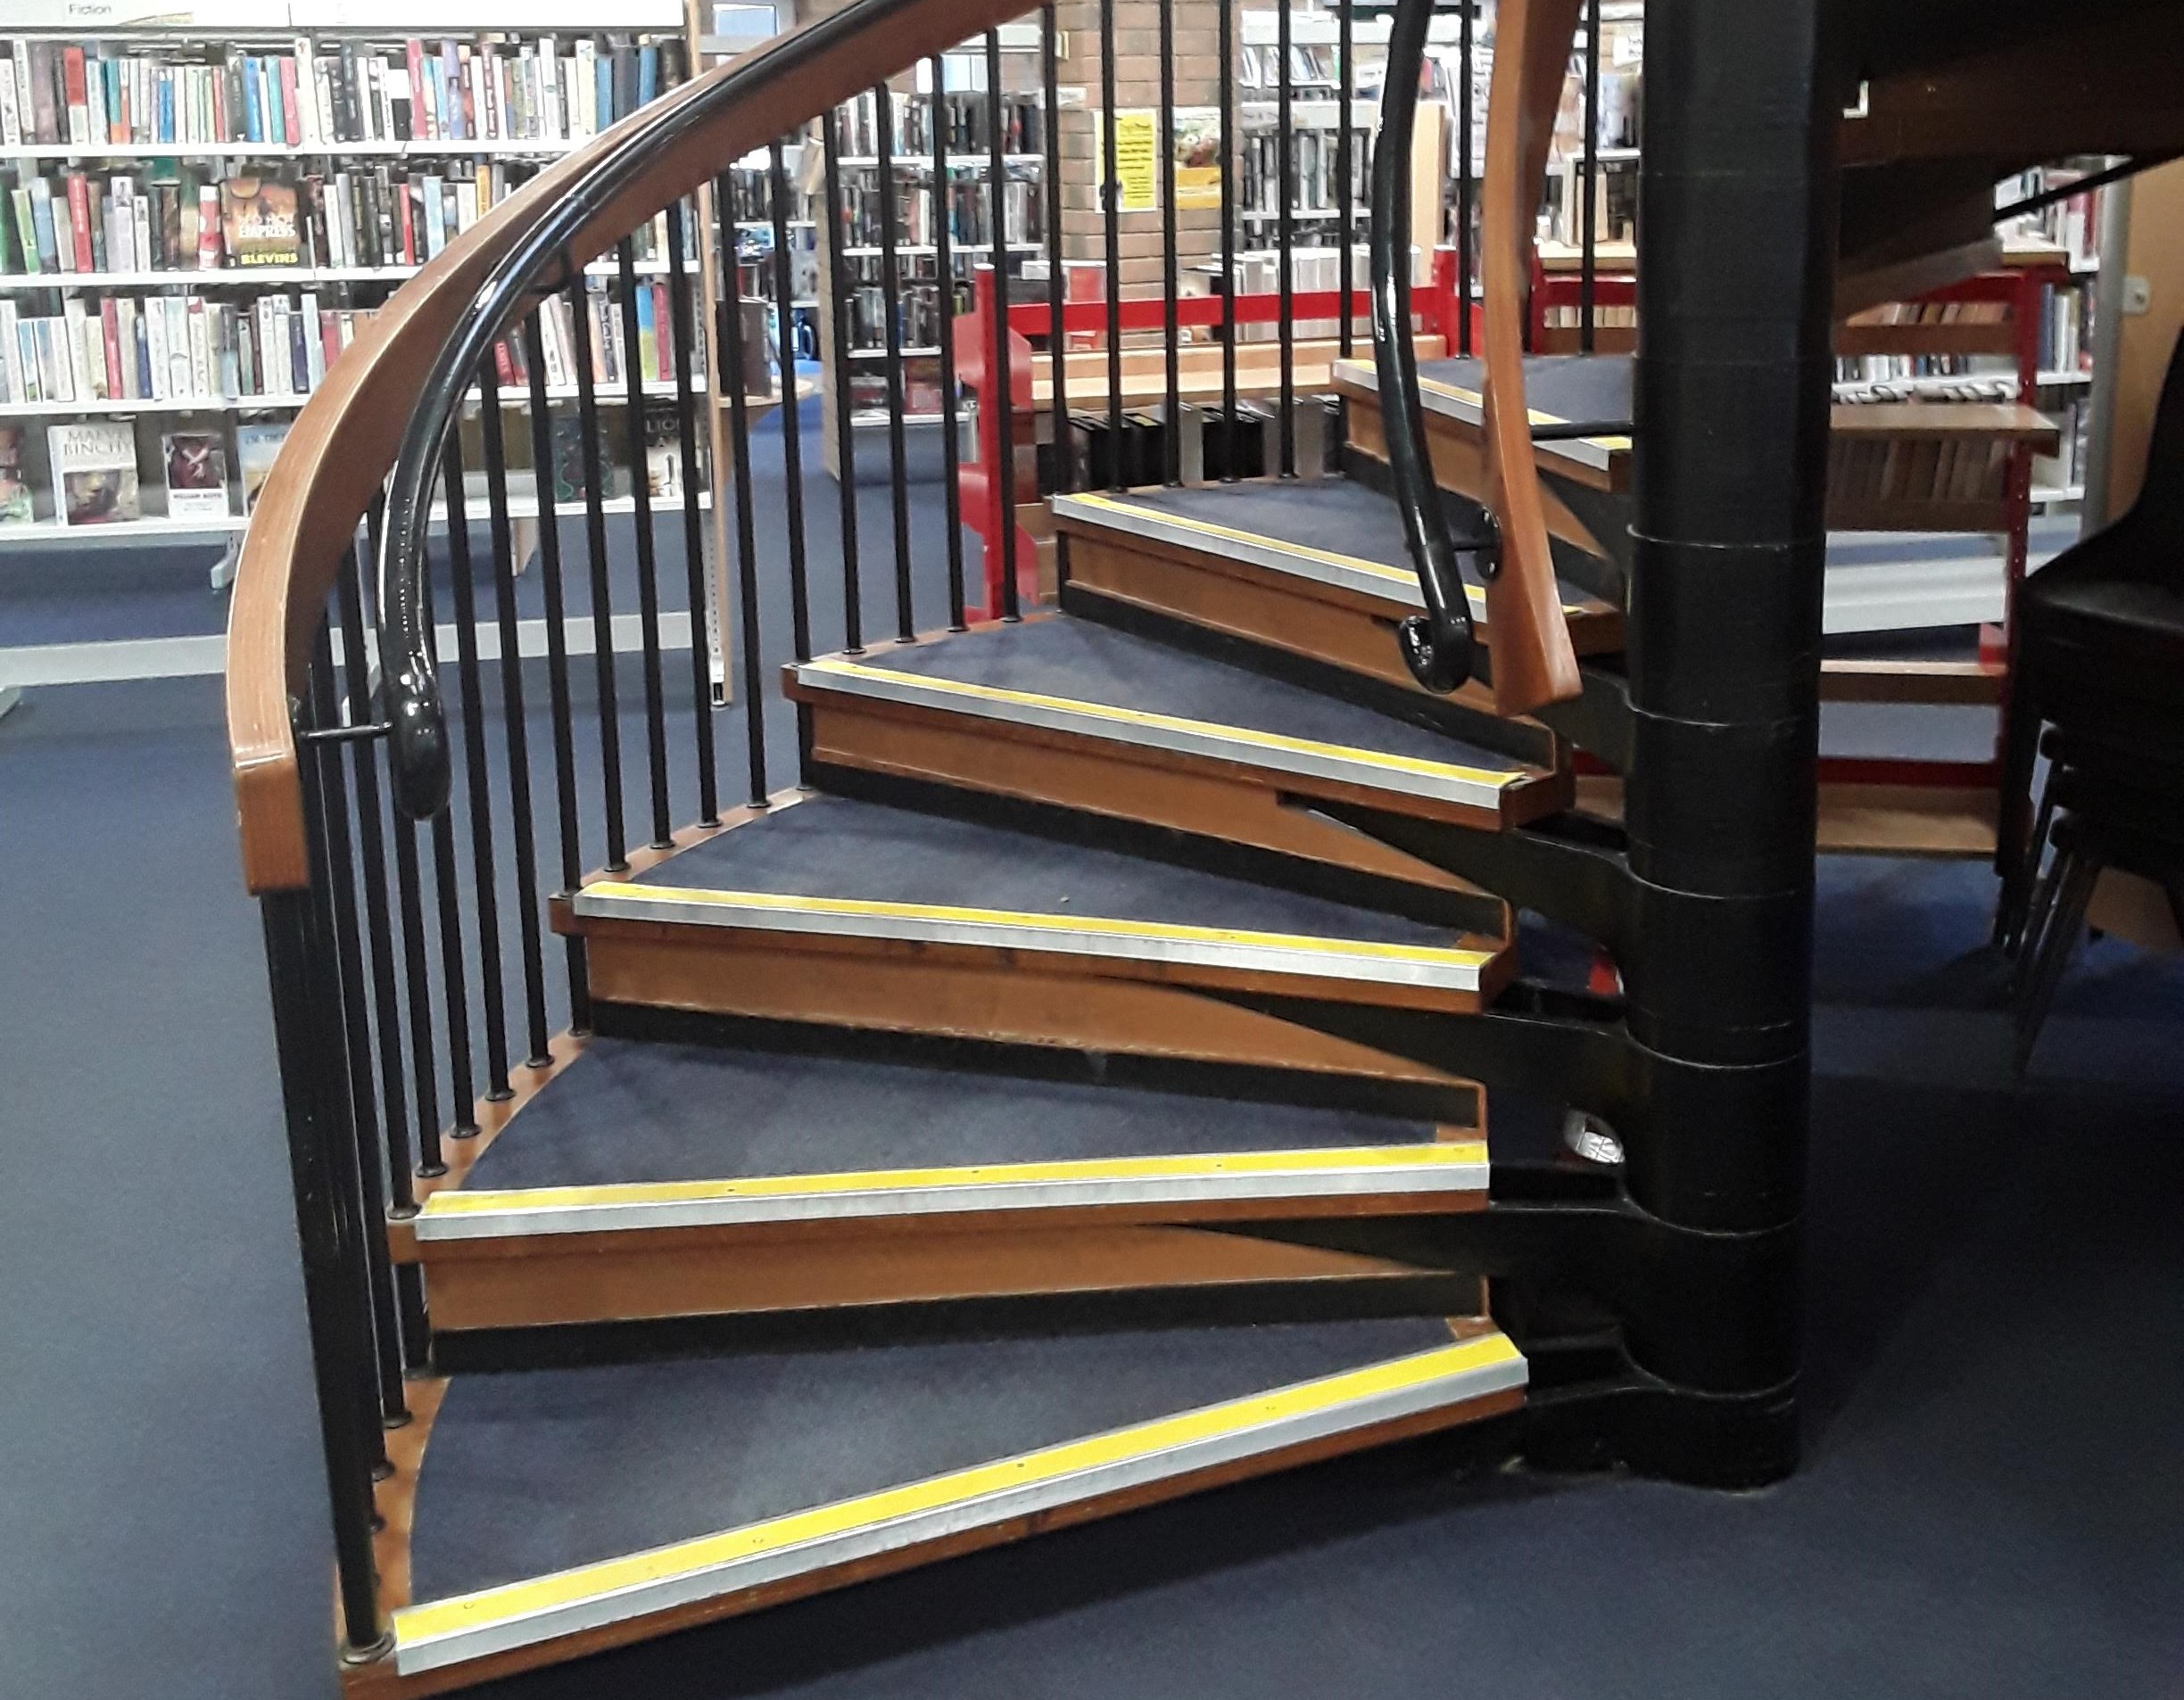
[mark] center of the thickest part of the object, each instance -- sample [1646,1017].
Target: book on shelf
[963,118]
[95,472]
[16,503]
[257,448]
[172,348]
[1913,469]
[196,472]
[90,95]
[258,221]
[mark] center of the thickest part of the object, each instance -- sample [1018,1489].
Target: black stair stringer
[1692,1380]
[1569,867]
[1597,720]
[1678,1120]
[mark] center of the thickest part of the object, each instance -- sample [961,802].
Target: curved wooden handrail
[1533,663]
[346,439]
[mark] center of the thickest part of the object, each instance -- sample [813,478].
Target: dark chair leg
[2078,866]
[2013,908]
[2016,849]
[2042,885]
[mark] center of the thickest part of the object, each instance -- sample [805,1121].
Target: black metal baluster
[890,285]
[685,337]
[1285,150]
[337,871]
[331,1058]
[747,546]
[602,595]
[845,400]
[333,1276]
[648,565]
[1004,384]
[447,893]
[943,283]
[792,418]
[416,966]
[1343,163]
[1172,425]
[371,844]
[1110,212]
[1057,275]
[491,991]
[557,659]
[520,824]
[1588,258]
[1224,14]
[1465,191]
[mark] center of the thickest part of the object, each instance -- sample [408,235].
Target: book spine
[155,309]
[80,221]
[77,96]
[292,117]
[200,348]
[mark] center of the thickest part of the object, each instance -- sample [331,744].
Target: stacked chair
[2099,690]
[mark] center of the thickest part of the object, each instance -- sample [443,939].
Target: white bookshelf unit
[131,136]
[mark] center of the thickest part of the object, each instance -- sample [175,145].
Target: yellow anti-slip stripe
[1173,931]
[1352,563]
[471,1612]
[1423,1154]
[1172,723]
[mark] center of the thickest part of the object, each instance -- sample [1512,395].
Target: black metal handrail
[418,755]
[1438,646]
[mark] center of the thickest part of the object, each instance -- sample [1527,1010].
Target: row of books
[90,95]
[1918,469]
[172,348]
[2073,224]
[93,473]
[77,223]
[964,120]
[1316,167]
[916,309]
[1312,66]
[969,208]
[606,332]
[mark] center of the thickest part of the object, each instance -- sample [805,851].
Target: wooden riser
[1213,802]
[1459,465]
[578,1280]
[996,997]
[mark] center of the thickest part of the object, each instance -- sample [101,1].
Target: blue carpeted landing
[1992,1505]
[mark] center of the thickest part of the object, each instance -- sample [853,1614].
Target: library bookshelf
[202,205]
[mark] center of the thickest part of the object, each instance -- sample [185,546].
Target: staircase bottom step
[561,1512]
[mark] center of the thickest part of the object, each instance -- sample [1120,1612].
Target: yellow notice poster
[1197,141]
[1136,161]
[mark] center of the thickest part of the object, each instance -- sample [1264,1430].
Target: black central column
[1731,412]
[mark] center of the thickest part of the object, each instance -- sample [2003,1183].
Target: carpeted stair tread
[845,848]
[532,1471]
[1582,388]
[1085,662]
[626,1112]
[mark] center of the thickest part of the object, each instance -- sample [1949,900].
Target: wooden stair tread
[1335,532]
[561,1502]
[636,1134]
[1079,679]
